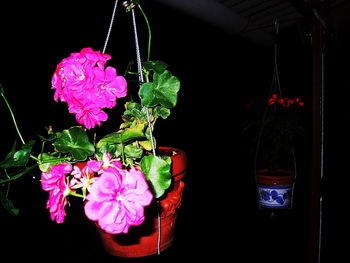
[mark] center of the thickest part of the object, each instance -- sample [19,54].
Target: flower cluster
[87,87]
[285,102]
[117,175]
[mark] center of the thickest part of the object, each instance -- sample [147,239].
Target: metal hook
[277,25]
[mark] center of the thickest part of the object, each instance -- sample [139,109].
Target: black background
[219,74]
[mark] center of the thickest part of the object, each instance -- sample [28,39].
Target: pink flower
[117,199]
[54,182]
[89,115]
[87,87]
[83,176]
[110,86]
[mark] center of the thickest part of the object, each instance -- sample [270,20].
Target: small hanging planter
[275,157]
[275,188]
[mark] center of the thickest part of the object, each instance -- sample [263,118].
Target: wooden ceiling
[257,19]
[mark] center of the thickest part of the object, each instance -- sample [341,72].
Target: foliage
[273,127]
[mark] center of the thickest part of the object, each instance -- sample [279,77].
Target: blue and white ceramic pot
[275,188]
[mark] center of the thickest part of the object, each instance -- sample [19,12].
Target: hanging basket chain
[141,80]
[110,26]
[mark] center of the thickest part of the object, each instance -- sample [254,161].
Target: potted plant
[275,124]
[129,185]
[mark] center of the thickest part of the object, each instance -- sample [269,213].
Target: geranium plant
[116,176]
[274,123]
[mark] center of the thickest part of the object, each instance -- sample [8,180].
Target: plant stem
[75,194]
[149,32]
[122,153]
[18,175]
[10,110]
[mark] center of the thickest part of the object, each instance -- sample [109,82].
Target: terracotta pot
[275,188]
[142,240]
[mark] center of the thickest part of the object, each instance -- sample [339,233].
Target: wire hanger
[275,88]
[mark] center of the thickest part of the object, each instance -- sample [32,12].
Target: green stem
[18,175]
[149,32]
[75,194]
[34,157]
[123,154]
[12,115]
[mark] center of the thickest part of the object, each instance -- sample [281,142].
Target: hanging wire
[139,71]
[275,79]
[141,80]
[140,75]
[275,84]
[110,26]
[275,88]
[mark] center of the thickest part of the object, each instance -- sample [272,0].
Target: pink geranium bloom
[93,57]
[83,177]
[54,182]
[89,115]
[110,87]
[117,199]
[107,161]
[82,81]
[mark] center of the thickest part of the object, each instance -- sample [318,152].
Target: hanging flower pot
[275,161]
[274,188]
[129,187]
[273,128]
[156,233]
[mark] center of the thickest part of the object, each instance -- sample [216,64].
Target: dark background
[219,74]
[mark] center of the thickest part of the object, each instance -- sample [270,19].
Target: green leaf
[157,172]
[107,147]
[162,112]
[76,142]
[132,107]
[8,204]
[123,136]
[47,160]
[163,90]
[147,144]
[147,94]
[156,66]
[18,158]
[133,151]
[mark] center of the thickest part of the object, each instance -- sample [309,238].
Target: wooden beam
[315,181]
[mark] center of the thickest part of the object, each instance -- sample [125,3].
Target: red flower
[285,102]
